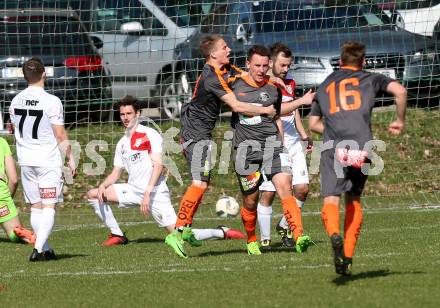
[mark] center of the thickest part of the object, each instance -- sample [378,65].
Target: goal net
[98,51]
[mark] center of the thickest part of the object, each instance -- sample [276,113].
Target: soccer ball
[227,207]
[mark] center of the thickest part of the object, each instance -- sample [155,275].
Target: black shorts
[198,158]
[336,179]
[252,168]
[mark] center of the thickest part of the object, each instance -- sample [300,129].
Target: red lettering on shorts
[48,193]
[4,211]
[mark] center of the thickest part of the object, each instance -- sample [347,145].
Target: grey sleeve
[215,84]
[381,82]
[316,109]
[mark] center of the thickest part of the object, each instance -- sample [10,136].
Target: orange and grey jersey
[257,128]
[345,101]
[198,117]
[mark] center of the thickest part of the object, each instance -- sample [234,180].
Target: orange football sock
[352,227]
[293,215]
[188,205]
[330,218]
[249,219]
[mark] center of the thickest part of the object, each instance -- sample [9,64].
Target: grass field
[396,262]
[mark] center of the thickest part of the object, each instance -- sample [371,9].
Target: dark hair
[278,48]
[353,53]
[207,44]
[33,70]
[129,100]
[258,50]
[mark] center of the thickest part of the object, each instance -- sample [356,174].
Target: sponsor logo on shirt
[264,96]
[4,210]
[48,193]
[135,157]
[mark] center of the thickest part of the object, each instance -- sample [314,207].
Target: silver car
[139,37]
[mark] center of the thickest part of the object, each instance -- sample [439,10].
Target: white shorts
[298,163]
[160,203]
[42,185]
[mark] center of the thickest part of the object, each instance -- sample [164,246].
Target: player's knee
[92,194]
[301,192]
[250,203]
[266,198]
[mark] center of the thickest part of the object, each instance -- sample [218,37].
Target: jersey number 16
[343,95]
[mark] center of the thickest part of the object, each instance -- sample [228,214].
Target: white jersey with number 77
[33,112]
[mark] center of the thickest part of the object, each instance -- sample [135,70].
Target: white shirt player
[33,112]
[291,135]
[133,154]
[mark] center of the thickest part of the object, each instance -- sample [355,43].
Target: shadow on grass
[343,280]
[70,256]
[222,252]
[147,240]
[5,240]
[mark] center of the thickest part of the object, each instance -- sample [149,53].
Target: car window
[239,15]
[110,15]
[185,13]
[415,4]
[215,22]
[278,16]
[405,4]
[33,34]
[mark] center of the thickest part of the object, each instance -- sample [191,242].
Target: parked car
[73,66]
[315,32]
[139,37]
[418,16]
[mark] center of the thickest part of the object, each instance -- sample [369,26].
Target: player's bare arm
[302,132]
[289,107]
[316,125]
[280,128]
[247,109]
[396,127]
[109,180]
[11,173]
[156,159]
[62,140]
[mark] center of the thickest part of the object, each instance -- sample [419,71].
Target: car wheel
[175,92]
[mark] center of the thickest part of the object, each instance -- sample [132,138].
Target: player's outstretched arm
[247,109]
[400,94]
[109,180]
[63,142]
[315,124]
[289,107]
[11,173]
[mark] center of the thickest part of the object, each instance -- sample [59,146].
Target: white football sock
[35,218]
[105,213]
[300,203]
[35,223]
[47,220]
[283,223]
[264,216]
[207,234]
